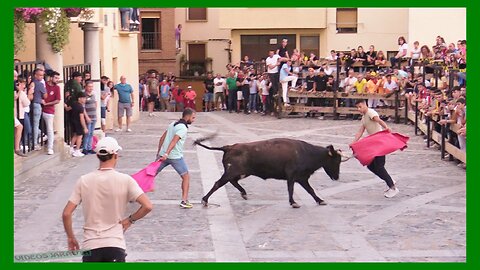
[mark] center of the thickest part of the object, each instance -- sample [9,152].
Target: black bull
[285,159]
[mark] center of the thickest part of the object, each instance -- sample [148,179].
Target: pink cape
[378,144]
[146,176]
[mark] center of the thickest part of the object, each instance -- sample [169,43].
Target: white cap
[106,146]
[189,87]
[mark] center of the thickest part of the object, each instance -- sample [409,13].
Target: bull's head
[332,166]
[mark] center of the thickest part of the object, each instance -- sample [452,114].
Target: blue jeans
[253,102]
[37,114]
[125,16]
[178,164]
[27,130]
[87,140]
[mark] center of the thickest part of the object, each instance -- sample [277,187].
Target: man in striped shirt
[90,117]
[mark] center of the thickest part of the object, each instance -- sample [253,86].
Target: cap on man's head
[189,87]
[107,146]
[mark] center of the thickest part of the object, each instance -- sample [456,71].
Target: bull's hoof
[205,203]
[244,196]
[322,203]
[295,205]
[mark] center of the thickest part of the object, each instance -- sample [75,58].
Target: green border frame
[473,240]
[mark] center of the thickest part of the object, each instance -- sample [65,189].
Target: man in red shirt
[190,96]
[53,98]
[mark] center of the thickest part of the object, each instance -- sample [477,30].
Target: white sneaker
[394,183]
[118,129]
[50,152]
[321,118]
[131,21]
[77,153]
[129,130]
[391,192]
[72,150]
[137,22]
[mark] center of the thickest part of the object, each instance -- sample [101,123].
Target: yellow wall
[202,32]
[72,53]
[425,24]
[376,26]
[254,18]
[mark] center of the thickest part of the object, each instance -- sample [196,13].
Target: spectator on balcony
[53,98]
[152,91]
[134,16]
[164,95]
[380,60]
[371,56]
[282,51]
[372,87]
[272,63]
[190,97]
[361,58]
[389,86]
[125,18]
[313,61]
[415,53]
[91,118]
[178,36]
[350,60]
[219,91]
[402,51]
[39,94]
[126,102]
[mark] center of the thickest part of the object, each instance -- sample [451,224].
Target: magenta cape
[378,144]
[146,176]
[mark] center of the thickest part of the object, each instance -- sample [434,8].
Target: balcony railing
[151,41]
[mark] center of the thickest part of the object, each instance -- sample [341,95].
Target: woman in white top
[402,51]
[24,108]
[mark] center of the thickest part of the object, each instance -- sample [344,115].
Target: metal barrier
[28,142]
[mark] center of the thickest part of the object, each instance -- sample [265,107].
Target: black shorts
[77,128]
[152,97]
[106,254]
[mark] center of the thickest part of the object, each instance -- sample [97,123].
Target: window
[347,20]
[309,44]
[151,35]
[197,14]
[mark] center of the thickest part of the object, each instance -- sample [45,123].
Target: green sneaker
[185,205]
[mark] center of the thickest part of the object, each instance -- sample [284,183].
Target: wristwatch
[131,220]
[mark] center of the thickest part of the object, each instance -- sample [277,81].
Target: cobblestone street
[425,222]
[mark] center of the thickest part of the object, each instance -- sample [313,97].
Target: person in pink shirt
[190,96]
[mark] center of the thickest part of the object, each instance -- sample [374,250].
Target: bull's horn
[345,157]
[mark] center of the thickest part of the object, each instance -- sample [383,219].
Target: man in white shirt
[389,86]
[272,63]
[219,91]
[105,195]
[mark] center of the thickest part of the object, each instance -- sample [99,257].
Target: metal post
[406,110]
[436,72]
[444,134]
[427,120]
[416,117]
[335,90]
[397,104]
[424,72]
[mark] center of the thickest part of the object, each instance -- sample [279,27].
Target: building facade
[156,43]
[226,35]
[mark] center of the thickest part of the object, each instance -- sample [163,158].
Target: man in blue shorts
[170,151]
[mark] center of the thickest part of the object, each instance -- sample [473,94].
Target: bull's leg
[240,188]
[220,183]
[290,184]
[306,185]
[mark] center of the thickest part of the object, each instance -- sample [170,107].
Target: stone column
[45,53]
[91,45]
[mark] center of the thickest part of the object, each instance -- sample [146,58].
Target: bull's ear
[330,150]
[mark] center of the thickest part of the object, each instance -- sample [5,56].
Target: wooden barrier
[437,137]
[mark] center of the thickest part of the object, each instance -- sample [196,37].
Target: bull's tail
[199,142]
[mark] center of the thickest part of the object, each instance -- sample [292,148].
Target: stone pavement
[425,222]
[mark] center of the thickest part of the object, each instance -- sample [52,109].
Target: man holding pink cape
[371,150]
